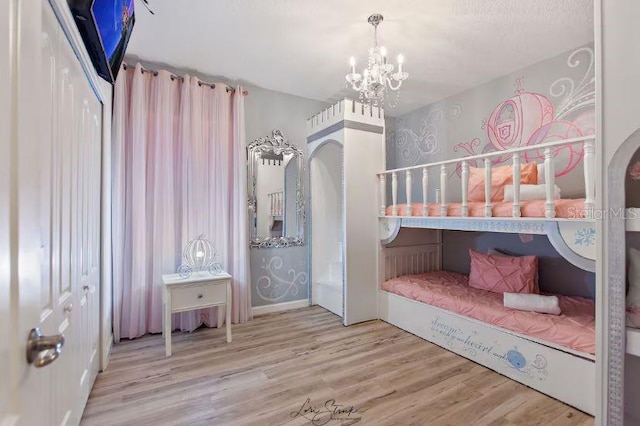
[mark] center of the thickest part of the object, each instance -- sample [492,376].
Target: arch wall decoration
[614,245]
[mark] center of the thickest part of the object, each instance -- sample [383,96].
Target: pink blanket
[574,328]
[565,208]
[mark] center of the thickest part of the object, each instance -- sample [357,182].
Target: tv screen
[105,26]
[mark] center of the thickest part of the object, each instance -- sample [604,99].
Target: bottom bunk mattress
[574,328]
[565,208]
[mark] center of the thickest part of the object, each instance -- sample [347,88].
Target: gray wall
[459,126]
[280,274]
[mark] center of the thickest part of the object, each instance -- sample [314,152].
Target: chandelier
[373,82]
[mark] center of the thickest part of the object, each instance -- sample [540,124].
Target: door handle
[43,350]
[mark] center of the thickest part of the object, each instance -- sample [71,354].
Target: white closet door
[32,286]
[76,115]
[7,405]
[52,192]
[87,237]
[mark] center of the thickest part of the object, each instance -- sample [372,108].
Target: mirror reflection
[276,205]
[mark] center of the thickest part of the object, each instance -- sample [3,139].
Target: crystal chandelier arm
[353,81]
[390,83]
[355,86]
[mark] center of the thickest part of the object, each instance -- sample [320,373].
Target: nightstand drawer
[183,298]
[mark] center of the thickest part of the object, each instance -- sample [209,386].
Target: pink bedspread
[574,328]
[565,208]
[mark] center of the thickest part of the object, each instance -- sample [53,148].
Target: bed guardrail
[549,149]
[410,260]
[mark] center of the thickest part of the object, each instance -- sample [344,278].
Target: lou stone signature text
[323,414]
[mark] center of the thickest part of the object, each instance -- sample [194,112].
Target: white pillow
[530,192]
[633,296]
[541,178]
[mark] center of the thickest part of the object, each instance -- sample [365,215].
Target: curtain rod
[178,77]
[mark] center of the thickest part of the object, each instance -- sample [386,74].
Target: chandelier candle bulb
[400,62]
[352,62]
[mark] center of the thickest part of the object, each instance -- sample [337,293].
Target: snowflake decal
[585,237]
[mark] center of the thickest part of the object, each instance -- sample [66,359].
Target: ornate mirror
[276,199]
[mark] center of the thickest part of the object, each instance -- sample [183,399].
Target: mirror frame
[277,144]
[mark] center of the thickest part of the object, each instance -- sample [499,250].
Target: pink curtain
[178,171]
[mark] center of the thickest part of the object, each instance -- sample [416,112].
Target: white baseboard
[279,307]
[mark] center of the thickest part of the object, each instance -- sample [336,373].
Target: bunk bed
[568,223]
[554,354]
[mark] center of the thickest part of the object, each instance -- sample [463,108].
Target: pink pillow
[496,252]
[500,177]
[503,274]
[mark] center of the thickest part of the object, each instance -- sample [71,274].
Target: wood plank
[279,360]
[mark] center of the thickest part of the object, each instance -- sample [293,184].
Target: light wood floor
[277,361]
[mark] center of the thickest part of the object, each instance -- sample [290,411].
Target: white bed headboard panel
[397,261]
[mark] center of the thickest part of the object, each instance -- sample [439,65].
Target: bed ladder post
[550,180]
[425,190]
[516,185]
[487,187]
[589,177]
[409,187]
[394,194]
[443,190]
[383,194]
[464,211]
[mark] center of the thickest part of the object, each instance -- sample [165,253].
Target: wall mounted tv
[105,26]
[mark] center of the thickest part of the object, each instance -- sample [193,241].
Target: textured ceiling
[302,47]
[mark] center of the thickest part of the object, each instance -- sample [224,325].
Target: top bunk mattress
[565,208]
[574,328]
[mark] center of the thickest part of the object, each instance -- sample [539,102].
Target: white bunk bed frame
[557,371]
[562,232]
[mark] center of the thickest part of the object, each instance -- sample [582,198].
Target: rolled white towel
[532,302]
[541,175]
[530,192]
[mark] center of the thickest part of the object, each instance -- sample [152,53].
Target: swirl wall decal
[576,96]
[274,288]
[416,147]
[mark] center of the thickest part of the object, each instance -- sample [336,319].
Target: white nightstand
[199,290]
